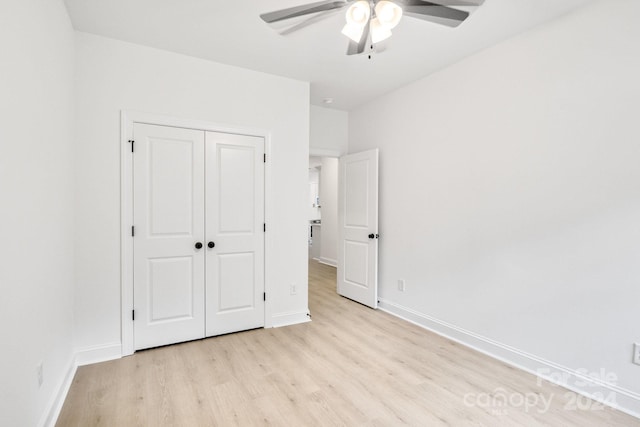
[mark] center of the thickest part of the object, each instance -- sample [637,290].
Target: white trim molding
[127,120]
[53,408]
[81,357]
[322,152]
[328,261]
[290,318]
[99,353]
[594,388]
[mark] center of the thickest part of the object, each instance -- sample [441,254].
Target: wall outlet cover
[636,353]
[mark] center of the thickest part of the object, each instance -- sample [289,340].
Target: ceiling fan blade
[358,48]
[308,21]
[435,13]
[293,12]
[435,19]
[465,3]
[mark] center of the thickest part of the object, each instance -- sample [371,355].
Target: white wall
[328,131]
[36,213]
[510,193]
[329,203]
[112,76]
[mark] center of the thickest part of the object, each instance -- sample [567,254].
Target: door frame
[127,120]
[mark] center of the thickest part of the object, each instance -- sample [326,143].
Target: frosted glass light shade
[354,32]
[379,32]
[359,13]
[388,13]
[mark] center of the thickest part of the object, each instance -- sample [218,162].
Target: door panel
[171,181]
[236,189]
[356,257]
[235,217]
[168,174]
[357,221]
[170,289]
[356,208]
[236,270]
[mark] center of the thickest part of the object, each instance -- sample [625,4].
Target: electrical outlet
[40,374]
[401,285]
[294,289]
[636,354]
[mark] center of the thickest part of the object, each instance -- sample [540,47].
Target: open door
[358,228]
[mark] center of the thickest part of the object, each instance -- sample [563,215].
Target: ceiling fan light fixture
[371,21]
[379,32]
[359,13]
[388,13]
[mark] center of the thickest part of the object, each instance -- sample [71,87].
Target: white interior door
[168,175]
[358,227]
[235,233]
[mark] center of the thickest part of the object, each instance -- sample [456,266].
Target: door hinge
[264,296]
[131,141]
[265,157]
[264,227]
[133,315]
[133,231]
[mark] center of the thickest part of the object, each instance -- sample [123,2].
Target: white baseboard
[625,400]
[82,357]
[287,319]
[97,354]
[323,152]
[328,261]
[52,410]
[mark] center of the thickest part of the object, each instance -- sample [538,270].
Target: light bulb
[388,13]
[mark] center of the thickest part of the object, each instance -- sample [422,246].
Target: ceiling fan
[370,21]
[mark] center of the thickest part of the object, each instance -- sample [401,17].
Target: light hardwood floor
[350,366]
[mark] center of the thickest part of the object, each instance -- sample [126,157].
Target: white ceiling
[231,32]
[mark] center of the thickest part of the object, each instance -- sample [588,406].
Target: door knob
[211,245]
[372,236]
[198,245]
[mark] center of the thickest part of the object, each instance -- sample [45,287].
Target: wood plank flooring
[350,366]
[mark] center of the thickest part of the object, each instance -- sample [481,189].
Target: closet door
[235,235]
[168,176]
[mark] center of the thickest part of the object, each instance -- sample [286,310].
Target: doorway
[323,210]
[351,188]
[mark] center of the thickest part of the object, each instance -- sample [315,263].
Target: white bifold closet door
[199,241]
